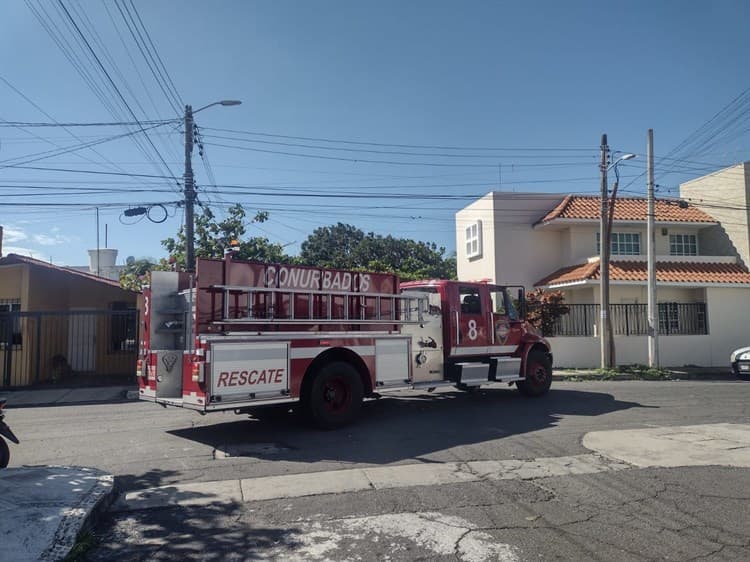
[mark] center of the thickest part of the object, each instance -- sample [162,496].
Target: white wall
[514,253]
[482,267]
[674,351]
[728,326]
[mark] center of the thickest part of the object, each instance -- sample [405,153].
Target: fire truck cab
[243,336]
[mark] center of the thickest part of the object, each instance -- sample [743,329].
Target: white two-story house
[551,241]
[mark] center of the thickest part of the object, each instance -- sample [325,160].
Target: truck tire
[335,396]
[538,374]
[4,453]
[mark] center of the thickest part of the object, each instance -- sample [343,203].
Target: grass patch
[83,545]
[636,371]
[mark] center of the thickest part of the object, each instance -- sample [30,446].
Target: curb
[82,517]
[675,376]
[68,500]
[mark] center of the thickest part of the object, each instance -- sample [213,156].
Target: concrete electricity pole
[604,333]
[189,192]
[653,325]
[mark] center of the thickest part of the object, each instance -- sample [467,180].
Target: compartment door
[392,362]
[242,371]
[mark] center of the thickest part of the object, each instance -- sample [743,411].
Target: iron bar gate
[53,346]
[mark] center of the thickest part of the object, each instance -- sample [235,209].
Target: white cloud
[18,250]
[54,240]
[13,234]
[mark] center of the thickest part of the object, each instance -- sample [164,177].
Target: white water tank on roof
[102,262]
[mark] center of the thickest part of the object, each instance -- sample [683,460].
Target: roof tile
[626,209]
[11,259]
[666,272]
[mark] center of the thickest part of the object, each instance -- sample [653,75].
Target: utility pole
[653,326]
[604,332]
[189,192]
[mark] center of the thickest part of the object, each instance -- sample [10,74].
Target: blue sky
[537,82]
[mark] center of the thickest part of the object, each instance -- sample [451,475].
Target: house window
[123,327]
[10,324]
[669,317]
[622,243]
[683,245]
[474,240]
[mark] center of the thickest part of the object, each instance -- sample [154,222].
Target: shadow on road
[207,532]
[397,428]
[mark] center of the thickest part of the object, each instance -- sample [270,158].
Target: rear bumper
[741,368]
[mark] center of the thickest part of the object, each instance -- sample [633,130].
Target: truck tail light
[197,372]
[139,367]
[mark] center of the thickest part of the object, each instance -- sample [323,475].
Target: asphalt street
[638,513]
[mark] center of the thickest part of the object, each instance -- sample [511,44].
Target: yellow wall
[41,289]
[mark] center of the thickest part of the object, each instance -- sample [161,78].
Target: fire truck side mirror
[522,303]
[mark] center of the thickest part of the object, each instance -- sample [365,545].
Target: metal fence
[632,319]
[55,346]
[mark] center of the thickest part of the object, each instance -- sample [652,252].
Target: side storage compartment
[392,362]
[248,371]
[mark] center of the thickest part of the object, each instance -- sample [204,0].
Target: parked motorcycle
[8,434]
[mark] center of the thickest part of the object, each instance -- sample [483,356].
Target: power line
[74,171]
[63,125]
[372,151]
[150,62]
[67,150]
[435,147]
[114,86]
[174,90]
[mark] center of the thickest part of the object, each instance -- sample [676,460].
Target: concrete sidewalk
[43,509]
[69,396]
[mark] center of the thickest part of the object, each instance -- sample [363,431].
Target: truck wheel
[4,453]
[335,396]
[538,374]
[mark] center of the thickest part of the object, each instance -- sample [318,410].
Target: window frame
[685,242]
[620,240]
[16,331]
[473,240]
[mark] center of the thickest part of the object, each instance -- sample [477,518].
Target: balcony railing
[632,319]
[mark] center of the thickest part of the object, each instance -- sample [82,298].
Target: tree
[332,246]
[136,273]
[544,309]
[347,247]
[213,236]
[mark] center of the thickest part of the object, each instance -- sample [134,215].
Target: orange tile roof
[666,272]
[12,259]
[626,209]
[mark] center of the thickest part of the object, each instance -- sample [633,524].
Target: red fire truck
[242,336]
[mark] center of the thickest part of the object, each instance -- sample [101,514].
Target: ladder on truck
[262,305]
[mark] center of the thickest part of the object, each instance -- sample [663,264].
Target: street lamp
[605,241]
[189,181]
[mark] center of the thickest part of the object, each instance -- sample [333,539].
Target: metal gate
[56,346]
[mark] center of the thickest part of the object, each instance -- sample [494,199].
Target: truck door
[469,319]
[506,322]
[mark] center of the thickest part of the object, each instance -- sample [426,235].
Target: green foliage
[84,544]
[136,273]
[636,371]
[213,236]
[345,246]
[544,308]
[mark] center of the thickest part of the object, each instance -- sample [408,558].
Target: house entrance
[64,347]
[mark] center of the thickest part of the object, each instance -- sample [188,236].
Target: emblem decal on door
[169,361]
